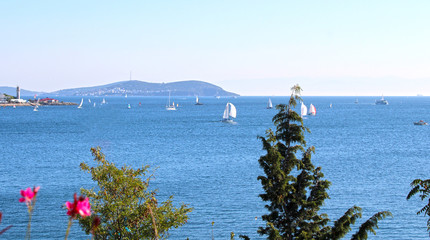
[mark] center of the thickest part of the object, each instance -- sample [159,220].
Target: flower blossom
[80,206]
[28,195]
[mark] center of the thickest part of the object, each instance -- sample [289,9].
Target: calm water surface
[370,154]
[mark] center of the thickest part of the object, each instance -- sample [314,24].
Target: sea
[370,153]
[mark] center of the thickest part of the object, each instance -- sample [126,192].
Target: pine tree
[294,188]
[422,187]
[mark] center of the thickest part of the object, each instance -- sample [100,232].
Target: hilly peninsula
[140,88]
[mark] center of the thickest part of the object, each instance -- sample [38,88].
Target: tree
[295,189]
[423,188]
[126,207]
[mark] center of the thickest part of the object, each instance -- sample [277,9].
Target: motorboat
[381,101]
[420,123]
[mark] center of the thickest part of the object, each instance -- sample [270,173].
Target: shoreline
[29,104]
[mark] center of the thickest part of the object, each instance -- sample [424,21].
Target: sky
[254,48]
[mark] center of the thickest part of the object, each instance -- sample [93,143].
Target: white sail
[170,107]
[89,100]
[225,115]
[104,101]
[80,105]
[232,112]
[303,110]
[312,110]
[269,104]
[198,101]
[94,104]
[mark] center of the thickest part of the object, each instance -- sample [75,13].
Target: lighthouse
[18,93]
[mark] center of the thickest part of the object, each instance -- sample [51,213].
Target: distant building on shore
[18,101]
[3,98]
[48,100]
[18,97]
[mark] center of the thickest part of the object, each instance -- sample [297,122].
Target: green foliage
[294,188]
[369,225]
[422,187]
[126,207]
[8,97]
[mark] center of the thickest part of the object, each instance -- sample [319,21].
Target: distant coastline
[30,104]
[136,88]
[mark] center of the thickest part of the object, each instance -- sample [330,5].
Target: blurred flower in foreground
[29,197]
[80,206]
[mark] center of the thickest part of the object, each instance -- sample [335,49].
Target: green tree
[422,187]
[294,189]
[126,207]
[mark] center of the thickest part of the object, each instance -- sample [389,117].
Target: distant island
[138,88]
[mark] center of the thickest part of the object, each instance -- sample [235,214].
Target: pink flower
[28,195]
[80,206]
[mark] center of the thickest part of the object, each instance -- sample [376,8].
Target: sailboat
[269,104]
[129,106]
[303,110]
[35,109]
[89,100]
[126,95]
[104,101]
[94,104]
[356,101]
[312,110]
[197,101]
[230,111]
[80,105]
[170,107]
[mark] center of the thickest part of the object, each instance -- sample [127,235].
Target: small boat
[382,101]
[420,123]
[230,111]
[80,105]
[312,110]
[104,101]
[331,105]
[94,104]
[129,106]
[218,97]
[197,101]
[89,100]
[170,107]
[269,104]
[126,95]
[303,110]
[356,101]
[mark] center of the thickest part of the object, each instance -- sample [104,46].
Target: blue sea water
[370,153]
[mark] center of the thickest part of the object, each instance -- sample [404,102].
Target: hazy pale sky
[248,47]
